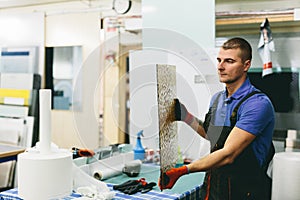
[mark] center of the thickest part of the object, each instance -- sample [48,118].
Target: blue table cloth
[154,195]
[12,194]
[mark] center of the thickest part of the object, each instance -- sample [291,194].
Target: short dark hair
[239,43]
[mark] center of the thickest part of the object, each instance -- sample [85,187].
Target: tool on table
[133,168]
[134,186]
[148,187]
[81,152]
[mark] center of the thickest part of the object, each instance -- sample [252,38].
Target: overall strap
[211,112]
[233,116]
[233,119]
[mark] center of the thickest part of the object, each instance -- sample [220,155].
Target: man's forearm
[197,125]
[213,160]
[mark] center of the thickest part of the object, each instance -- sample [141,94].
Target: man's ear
[247,65]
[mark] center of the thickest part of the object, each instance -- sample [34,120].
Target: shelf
[248,23]
[254,28]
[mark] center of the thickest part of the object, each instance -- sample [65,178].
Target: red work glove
[181,113]
[170,177]
[77,152]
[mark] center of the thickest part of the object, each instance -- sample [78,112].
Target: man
[240,125]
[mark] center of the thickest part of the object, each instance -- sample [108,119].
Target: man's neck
[233,87]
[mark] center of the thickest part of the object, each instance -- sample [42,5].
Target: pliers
[134,186]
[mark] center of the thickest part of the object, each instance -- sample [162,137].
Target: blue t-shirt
[255,115]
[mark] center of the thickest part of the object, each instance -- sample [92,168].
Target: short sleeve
[255,114]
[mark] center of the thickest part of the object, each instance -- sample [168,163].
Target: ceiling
[221,5]
[11,4]
[50,7]
[6,4]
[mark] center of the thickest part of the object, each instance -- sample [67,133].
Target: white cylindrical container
[286,176]
[45,172]
[45,120]
[42,177]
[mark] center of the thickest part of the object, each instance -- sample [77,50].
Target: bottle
[180,161]
[139,150]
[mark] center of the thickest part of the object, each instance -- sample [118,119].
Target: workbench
[9,152]
[187,187]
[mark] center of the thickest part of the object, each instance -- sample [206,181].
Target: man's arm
[236,142]
[197,125]
[182,114]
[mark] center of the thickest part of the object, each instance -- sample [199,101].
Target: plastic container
[139,150]
[180,161]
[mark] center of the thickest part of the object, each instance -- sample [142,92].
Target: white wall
[78,128]
[193,18]
[24,30]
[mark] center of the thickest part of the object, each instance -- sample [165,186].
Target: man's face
[230,65]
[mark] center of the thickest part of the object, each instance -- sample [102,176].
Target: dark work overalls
[244,179]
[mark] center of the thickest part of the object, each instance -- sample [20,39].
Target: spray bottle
[139,150]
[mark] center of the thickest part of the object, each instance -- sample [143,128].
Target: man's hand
[170,177]
[181,113]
